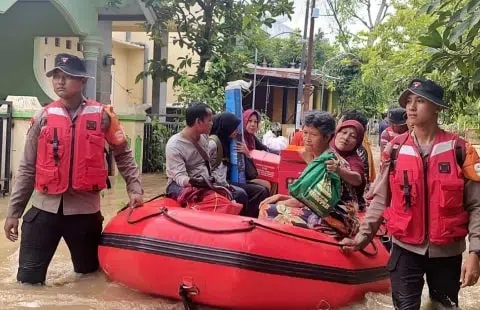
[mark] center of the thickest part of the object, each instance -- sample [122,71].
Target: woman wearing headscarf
[349,165]
[225,128]
[251,121]
[319,129]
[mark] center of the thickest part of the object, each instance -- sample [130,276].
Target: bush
[155,143]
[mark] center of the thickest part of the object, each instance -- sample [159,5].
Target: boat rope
[375,250]
[251,226]
[164,211]
[152,199]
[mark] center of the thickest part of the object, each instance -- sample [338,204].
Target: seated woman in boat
[225,128]
[251,122]
[350,167]
[341,218]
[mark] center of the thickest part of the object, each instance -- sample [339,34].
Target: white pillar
[91,50]
[104,70]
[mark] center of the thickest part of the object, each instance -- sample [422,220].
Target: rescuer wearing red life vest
[64,162]
[397,120]
[432,180]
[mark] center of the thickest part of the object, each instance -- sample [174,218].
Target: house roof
[282,73]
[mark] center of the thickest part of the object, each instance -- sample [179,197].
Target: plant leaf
[433,39]
[459,30]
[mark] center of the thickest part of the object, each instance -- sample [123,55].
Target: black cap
[69,64]
[425,88]
[397,116]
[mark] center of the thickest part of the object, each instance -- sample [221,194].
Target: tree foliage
[369,13]
[211,28]
[452,39]
[285,52]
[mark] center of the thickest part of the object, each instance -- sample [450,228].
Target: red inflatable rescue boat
[235,262]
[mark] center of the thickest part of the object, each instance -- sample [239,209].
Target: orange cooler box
[267,165]
[290,168]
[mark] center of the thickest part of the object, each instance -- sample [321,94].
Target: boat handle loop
[251,226]
[185,292]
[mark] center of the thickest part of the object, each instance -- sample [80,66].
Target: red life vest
[427,195]
[56,167]
[389,134]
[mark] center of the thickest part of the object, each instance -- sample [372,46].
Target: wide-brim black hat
[424,88]
[69,64]
[397,116]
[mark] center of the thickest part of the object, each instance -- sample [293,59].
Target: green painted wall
[23,21]
[18,27]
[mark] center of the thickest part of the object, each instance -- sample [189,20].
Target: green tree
[323,49]
[395,57]
[283,52]
[211,28]
[277,52]
[369,13]
[454,47]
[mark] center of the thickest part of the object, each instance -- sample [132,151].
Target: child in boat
[340,218]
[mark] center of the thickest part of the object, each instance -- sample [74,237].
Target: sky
[326,23]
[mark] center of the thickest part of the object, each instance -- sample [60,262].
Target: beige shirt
[381,196]
[74,202]
[220,173]
[184,160]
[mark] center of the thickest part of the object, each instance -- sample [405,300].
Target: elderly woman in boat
[323,198]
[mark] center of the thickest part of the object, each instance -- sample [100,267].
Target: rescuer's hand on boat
[136,200]
[11,228]
[470,270]
[348,245]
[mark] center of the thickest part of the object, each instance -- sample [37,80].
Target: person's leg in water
[41,233]
[406,276]
[443,276]
[82,233]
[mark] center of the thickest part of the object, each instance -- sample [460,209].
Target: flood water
[66,290]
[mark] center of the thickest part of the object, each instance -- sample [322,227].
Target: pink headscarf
[356,163]
[249,138]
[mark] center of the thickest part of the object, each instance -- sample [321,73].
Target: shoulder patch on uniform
[476,167]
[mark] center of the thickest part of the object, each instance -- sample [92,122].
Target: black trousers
[406,275]
[41,233]
[250,197]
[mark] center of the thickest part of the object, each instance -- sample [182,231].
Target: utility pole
[255,79]
[299,111]
[308,90]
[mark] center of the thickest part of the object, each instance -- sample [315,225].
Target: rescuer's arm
[374,216]
[471,172]
[122,153]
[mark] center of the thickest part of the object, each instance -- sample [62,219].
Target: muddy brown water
[66,290]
